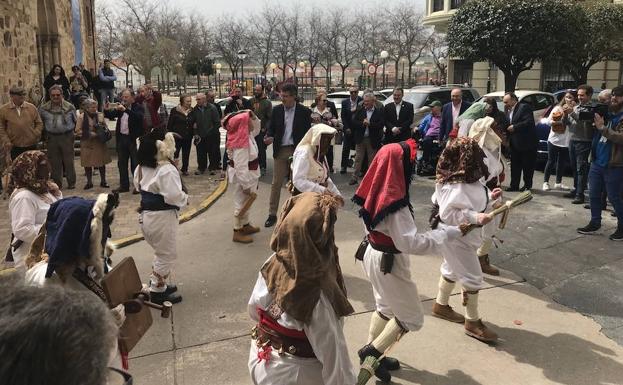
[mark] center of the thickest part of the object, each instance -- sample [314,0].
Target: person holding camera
[579,119]
[606,169]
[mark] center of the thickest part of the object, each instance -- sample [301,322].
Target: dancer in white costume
[391,236]
[243,168]
[299,301]
[462,196]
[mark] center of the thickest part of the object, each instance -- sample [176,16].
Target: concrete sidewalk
[207,339]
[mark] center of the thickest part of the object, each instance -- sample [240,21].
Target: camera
[587,113]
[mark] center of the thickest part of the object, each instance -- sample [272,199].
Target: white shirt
[325,333]
[123,125]
[398,107]
[287,139]
[27,212]
[164,180]
[456,111]
[301,163]
[240,173]
[560,140]
[369,117]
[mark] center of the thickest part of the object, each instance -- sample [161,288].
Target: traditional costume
[299,301]
[489,141]
[243,169]
[30,201]
[162,195]
[461,195]
[466,119]
[391,236]
[310,170]
[72,249]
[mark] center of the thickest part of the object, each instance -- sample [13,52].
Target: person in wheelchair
[429,132]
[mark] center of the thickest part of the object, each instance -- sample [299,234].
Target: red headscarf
[237,126]
[385,187]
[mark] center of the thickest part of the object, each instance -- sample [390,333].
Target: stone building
[35,34]
[485,77]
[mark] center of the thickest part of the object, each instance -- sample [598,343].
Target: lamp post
[242,54]
[364,62]
[302,65]
[218,71]
[384,56]
[403,60]
[178,68]
[131,71]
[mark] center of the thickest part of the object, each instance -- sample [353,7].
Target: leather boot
[248,229]
[159,298]
[381,372]
[479,331]
[446,312]
[241,237]
[486,266]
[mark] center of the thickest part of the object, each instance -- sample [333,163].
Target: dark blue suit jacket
[346,114]
[446,118]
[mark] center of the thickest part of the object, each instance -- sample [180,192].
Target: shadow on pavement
[564,358]
[415,376]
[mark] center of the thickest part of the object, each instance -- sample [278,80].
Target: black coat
[346,114]
[233,106]
[377,124]
[523,137]
[276,128]
[404,122]
[136,112]
[180,124]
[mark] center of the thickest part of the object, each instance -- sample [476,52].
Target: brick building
[35,34]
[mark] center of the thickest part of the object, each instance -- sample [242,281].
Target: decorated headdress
[462,161]
[31,170]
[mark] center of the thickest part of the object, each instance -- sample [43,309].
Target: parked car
[542,104]
[422,96]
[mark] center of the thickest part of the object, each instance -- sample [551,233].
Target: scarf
[482,132]
[462,161]
[31,170]
[306,261]
[86,124]
[385,187]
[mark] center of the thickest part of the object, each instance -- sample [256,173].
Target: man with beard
[607,166]
[263,109]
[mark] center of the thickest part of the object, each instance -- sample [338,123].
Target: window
[442,96]
[438,5]
[454,4]
[468,96]
[538,101]
[554,77]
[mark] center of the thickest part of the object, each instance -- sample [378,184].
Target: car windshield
[415,98]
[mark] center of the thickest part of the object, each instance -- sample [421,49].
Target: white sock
[445,289]
[471,307]
[377,324]
[390,334]
[485,247]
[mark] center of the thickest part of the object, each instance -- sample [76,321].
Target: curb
[185,217]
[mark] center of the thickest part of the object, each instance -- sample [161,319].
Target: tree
[512,34]
[230,36]
[262,35]
[589,45]
[438,49]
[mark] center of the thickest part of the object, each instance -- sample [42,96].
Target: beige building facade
[36,34]
[485,77]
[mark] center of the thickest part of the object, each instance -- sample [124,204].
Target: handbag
[103,133]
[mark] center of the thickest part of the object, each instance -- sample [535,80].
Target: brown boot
[446,312]
[479,331]
[248,229]
[486,266]
[240,236]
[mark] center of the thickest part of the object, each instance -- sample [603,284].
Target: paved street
[552,274]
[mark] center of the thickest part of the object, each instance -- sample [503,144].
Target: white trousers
[160,231]
[460,262]
[395,294]
[239,199]
[284,370]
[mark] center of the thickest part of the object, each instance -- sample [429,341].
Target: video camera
[587,112]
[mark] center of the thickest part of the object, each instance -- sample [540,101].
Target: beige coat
[93,153]
[20,130]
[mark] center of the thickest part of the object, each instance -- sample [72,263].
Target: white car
[539,101]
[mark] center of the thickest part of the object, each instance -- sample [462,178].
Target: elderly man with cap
[391,235]
[429,130]
[20,124]
[299,301]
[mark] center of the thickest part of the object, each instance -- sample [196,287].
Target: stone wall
[34,34]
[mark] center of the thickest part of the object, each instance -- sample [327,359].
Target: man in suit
[523,141]
[349,106]
[129,115]
[398,118]
[451,111]
[289,123]
[367,126]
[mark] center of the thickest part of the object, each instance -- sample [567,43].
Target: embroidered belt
[253,165]
[268,335]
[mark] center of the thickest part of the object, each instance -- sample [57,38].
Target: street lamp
[403,61]
[218,71]
[384,56]
[131,71]
[178,67]
[364,62]
[272,67]
[302,65]
[242,54]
